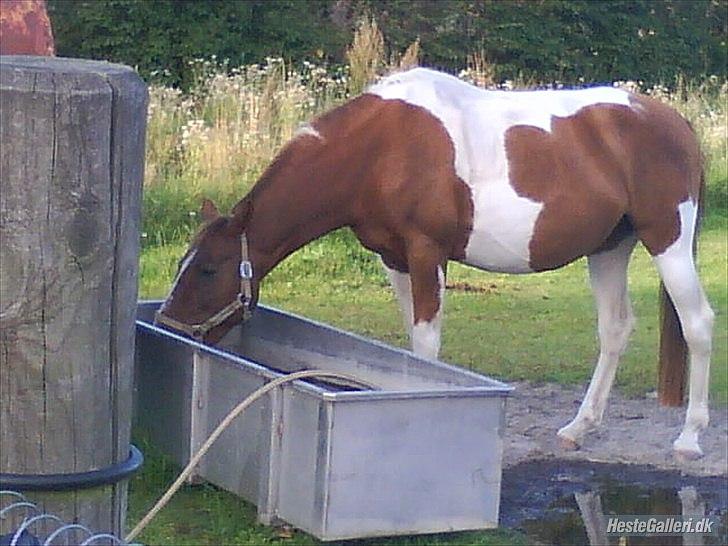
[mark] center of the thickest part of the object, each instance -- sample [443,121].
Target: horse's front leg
[426,265]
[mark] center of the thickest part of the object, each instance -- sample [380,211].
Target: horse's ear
[241,215]
[209,211]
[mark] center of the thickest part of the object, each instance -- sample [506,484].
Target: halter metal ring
[246,269]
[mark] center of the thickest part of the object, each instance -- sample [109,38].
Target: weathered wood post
[71,167]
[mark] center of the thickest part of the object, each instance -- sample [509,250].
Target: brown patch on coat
[601,173]
[211,280]
[401,184]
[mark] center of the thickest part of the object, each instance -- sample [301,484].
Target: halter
[242,301]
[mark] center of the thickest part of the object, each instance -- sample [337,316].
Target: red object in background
[25,28]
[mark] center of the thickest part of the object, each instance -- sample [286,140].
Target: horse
[425,168]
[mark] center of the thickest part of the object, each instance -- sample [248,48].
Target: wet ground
[626,467]
[567,502]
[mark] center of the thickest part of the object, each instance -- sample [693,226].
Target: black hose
[77,480]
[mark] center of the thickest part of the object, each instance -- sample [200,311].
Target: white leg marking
[426,335]
[608,275]
[403,290]
[677,270]
[182,268]
[426,339]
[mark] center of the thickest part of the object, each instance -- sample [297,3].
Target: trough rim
[495,388]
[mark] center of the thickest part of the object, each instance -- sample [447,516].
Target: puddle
[550,501]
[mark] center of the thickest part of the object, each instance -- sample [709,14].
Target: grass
[216,141]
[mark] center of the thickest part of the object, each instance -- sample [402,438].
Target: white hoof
[686,450]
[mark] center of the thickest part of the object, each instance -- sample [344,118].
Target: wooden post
[71,167]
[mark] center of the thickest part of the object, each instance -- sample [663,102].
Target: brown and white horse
[425,168]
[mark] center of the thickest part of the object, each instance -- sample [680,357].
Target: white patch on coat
[182,268]
[608,275]
[477,121]
[307,130]
[426,339]
[688,213]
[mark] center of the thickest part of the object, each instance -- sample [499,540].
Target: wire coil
[36,528]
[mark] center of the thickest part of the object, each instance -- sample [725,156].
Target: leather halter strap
[242,301]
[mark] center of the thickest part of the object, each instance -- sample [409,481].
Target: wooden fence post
[71,168]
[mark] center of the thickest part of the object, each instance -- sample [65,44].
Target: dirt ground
[634,431]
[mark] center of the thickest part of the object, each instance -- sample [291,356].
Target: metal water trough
[420,453]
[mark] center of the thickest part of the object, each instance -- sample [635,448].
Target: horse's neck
[313,186]
[292,208]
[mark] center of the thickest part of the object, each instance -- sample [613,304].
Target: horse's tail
[673,347]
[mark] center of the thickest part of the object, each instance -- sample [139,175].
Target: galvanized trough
[419,453]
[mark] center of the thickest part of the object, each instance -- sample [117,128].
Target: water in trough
[567,502]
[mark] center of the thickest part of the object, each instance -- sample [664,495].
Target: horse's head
[215,287]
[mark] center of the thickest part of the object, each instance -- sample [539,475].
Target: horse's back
[449,98]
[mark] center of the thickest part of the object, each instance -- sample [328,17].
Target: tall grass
[216,141]
[365,55]
[368,59]
[705,105]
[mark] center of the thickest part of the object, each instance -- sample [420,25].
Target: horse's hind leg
[608,276]
[677,270]
[403,290]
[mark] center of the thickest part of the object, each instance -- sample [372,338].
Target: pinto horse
[425,168]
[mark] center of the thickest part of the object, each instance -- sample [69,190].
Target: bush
[161,37]
[570,41]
